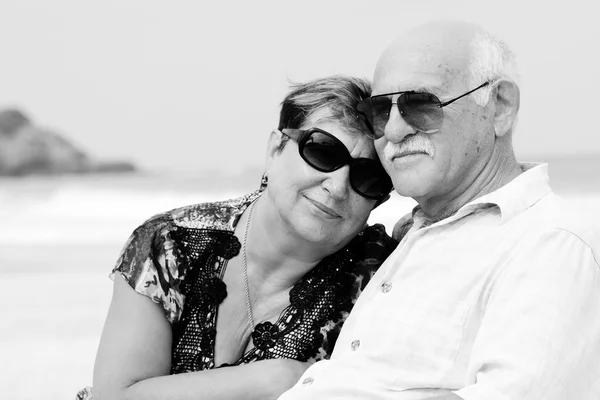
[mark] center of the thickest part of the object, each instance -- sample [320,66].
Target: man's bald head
[453,51]
[442,168]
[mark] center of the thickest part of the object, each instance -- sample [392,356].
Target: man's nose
[396,128]
[337,182]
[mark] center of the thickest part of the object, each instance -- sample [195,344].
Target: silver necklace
[245,262]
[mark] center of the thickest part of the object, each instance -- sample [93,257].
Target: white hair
[490,59]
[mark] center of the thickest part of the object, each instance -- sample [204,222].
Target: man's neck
[498,172]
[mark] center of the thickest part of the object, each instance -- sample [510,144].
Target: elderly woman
[260,284]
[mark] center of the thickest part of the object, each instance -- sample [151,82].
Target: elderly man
[494,290]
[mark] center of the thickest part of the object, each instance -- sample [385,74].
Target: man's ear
[273,147]
[507,98]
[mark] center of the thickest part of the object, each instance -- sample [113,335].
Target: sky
[195,85]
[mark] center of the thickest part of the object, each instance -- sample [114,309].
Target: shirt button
[386,287]
[355,344]
[308,381]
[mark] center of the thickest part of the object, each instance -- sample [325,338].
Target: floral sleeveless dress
[178,259]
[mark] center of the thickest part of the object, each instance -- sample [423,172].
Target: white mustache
[411,144]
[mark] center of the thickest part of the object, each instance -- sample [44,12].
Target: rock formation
[27,149]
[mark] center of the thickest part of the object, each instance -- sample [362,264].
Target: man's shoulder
[567,214]
[565,217]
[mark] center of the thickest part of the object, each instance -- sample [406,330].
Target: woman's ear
[273,147]
[507,98]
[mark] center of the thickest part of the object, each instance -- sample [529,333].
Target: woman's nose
[337,182]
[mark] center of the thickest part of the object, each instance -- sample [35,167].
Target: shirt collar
[512,198]
[520,193]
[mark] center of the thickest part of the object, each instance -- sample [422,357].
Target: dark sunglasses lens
[323,152]
[377,112]
[369,179]
[421,111]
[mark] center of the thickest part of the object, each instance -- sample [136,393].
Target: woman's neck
[276,258]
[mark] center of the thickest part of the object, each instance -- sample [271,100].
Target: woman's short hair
[340,94]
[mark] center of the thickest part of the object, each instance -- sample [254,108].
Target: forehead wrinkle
[435,62]
[430,84]
[440,71]
[434,89]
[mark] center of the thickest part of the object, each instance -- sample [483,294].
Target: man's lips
[324,208]
[408,153]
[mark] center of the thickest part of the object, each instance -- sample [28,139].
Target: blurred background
[113,111]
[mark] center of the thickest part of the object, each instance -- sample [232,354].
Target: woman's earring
[263,182]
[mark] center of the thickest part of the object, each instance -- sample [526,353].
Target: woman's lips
[326,210]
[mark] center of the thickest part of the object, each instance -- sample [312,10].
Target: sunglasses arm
[463,95]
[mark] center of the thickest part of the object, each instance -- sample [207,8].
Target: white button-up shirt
[499,301]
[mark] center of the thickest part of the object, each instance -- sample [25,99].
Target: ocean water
[104,208]
[59,237]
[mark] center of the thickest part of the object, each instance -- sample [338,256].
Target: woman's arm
[134,360]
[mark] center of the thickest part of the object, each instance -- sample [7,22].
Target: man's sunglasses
[326,153]
[421,110]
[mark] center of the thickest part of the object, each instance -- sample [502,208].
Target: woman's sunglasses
[326,153]
[421,110]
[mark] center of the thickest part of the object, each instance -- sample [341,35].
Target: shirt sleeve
[149,264]
[540,334]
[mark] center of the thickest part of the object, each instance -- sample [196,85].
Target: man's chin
[412,182]
[412,186]
[414,193]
